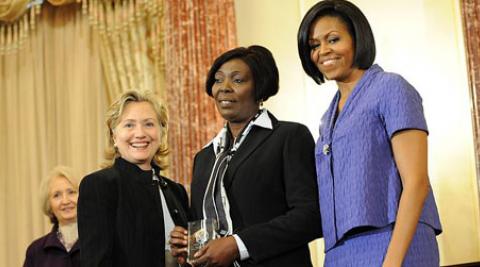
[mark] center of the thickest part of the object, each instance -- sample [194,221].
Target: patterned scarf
[215,201]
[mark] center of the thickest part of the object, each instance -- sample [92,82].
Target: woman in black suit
[257,176]
[127,210]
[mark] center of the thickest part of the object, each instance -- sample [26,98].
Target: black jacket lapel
[254,139]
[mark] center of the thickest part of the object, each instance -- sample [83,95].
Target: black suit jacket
[272,191]
[120,217]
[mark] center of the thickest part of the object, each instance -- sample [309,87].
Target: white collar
[263,121]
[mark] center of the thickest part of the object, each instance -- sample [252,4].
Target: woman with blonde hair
[127,209]
[58,193]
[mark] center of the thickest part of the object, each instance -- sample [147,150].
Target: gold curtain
[17,20]
[52,106]
[10,10]
[130,43]
[63,2]
[55,86]
[196,31]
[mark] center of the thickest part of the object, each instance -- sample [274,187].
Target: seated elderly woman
[59,193]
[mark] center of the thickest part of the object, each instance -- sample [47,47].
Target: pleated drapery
[60,68]
[17,21]
[52,106]
[131,44]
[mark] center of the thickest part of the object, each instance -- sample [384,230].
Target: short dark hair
[357,25]
[262,66]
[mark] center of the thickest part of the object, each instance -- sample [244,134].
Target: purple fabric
[47,251]
[368,249]
[359,184]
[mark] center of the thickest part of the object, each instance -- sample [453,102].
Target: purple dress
[48,251]
[359,183]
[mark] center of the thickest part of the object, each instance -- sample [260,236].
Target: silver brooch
[326,149]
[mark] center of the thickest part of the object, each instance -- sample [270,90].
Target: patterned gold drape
[63,2]
[17,19]
[130,38]
[131,43]
[52,107]
[134,35]
[471,24]
[65,65]
[196,31]
[16,23]
[10,10]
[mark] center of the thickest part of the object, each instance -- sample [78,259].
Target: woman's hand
[178,244]
[217,253]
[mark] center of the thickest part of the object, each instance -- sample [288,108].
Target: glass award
[199,234]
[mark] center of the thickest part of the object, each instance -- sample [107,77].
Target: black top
[120,217]
[271,187]
[48,251]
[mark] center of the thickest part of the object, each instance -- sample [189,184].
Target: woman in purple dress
[376,202]
[59,248]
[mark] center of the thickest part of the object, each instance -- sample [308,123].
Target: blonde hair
[114,113]
[58,171]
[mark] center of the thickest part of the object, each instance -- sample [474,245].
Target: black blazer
[272,191]
[120,217]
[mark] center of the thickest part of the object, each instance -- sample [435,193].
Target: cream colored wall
[420,39]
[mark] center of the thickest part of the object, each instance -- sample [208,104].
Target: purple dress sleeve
[401,106]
